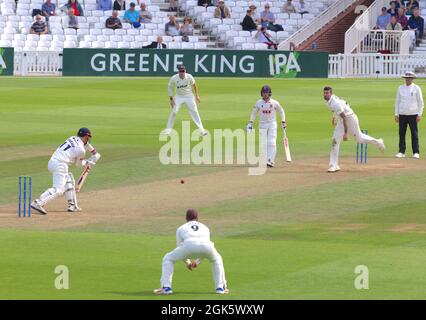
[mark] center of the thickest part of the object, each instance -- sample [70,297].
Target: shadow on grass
[151,294]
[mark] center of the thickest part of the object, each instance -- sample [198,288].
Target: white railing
[385,40]
[370,65]
[362,26]
[406,42]
[317,24]
[37,63]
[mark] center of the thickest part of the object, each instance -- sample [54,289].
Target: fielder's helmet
[267,89]
[82,132]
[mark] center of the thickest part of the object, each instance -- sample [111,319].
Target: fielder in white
[184,84]
[345,122]
[193,241]
[72,151]
[267,109]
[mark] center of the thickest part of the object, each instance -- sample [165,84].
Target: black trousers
[411,121]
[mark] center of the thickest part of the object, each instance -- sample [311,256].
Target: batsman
[267,109]
[72,151]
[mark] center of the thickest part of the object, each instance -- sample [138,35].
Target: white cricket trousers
[193,250]
[271,139]
[353,130]
[193,110]
[59,172]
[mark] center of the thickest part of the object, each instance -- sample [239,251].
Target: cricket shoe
[416,156]
[37,207]
[382,146]
[222,291]
[400,155]
[333,169]
[74,208]
[270,164]
[163,290]
[203,133]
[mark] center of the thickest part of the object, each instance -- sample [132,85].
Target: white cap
[409,74]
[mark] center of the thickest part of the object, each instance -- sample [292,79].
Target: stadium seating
[229,30]
[16,20]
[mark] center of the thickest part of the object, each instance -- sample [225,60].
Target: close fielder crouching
[193,241]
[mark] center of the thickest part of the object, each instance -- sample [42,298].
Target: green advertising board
[6,61]
[209,63]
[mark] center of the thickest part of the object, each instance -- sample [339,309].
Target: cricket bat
[82,178]
[286,148]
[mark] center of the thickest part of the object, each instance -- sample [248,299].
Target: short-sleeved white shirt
[267,111]
[192,231]
[71,151]
[183,86]
[338,106]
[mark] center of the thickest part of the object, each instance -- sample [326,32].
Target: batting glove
[89,163]
[250,127]
[284,124]
[95,157]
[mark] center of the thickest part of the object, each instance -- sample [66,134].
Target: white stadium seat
[5,43]
[187,45]
[98,44]
[120,32]
[82,32]
[85,44]
[260,46]
[200,45]
[33,37]
[107,32]
[71,38]
[136,45]
[90,38]
[111,44]
[102,38]
[58,37]
[7,36]
[247,46]
[174,45]
[70,44]
[116,38]
[46,37]
[70,31]
[123,44]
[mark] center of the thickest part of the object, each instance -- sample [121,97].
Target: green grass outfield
[303,244]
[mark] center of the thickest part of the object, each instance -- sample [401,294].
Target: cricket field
[295,232]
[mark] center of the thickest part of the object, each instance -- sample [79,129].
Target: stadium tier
[16,19]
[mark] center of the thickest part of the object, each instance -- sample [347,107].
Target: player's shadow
[151,294]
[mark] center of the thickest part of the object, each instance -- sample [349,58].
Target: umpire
[408,111]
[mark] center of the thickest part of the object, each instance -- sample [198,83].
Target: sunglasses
[182,70]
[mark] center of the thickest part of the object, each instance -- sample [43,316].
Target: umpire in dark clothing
[409,107]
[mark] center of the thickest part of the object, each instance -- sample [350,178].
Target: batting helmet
[82,132]
[267,89]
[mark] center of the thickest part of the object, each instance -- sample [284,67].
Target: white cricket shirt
[192,231]
[267,111]
[338,106]
[409,100]
[183,86]
[72,151]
